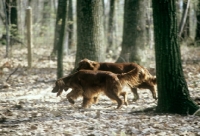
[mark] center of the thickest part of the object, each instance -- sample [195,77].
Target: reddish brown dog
[118,68]
[90,84]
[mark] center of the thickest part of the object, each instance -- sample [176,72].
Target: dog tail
[132,78]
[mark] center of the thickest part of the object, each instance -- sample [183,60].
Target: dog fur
[90,84]
[149,81]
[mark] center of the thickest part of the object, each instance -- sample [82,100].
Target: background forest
[27,106]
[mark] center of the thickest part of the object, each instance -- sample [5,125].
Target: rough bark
[90,39]
[111,27]
[70,25]
[173,93]
[133,32]
[197,37]
[59,35]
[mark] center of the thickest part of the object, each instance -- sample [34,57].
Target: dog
[118,68]
[90,84]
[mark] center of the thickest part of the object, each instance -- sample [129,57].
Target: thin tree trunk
[7,31]
[59,35]
[45,17]
[197,37]
[70,25]
[111,22]
[184,17]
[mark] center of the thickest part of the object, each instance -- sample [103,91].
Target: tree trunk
[59,35]
[70,25]
[197,37]
[45,17]
[183,31]
[111,27]
[149,25]
[184,17]
[90,39]
[11,7]
[173,93]
[133,32]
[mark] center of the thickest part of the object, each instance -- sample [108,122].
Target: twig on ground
[11,74]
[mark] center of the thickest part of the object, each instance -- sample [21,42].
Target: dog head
[88,64]
[59,86]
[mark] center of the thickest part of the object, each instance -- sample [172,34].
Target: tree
[111,27]
[184,24]
[11,22]
[45,16]
[59,35]
[90,39]
[11,11]
[149,25]
[173,93]
[133,31]
[70,24]
[197,37]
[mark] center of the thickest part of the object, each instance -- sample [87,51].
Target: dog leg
[86,102]
[95,100]
[115,97]
[125,97]
[153,91]
[152,88]
[135,94]
[74,94]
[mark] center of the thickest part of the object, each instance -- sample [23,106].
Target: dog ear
[89,64]
[61,86]
[154,80]
[83,64]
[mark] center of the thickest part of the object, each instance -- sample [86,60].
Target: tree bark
[45,17]
[184,17]
[11,8]
[173,93]
[197,37]
[70,25]
[134,32]
[111,27]
[90,39]
[59,35]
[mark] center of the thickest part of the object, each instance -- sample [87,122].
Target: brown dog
[90,84]
[118,68]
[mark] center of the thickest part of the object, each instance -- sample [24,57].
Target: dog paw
[135,99]
[126,103]
[71,101]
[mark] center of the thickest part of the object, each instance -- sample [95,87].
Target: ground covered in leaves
[27,106]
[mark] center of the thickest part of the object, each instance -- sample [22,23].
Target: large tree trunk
[173,94]
[133,32]
[59,35]
[90,39]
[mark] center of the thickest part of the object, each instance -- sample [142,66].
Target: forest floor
[27,106]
